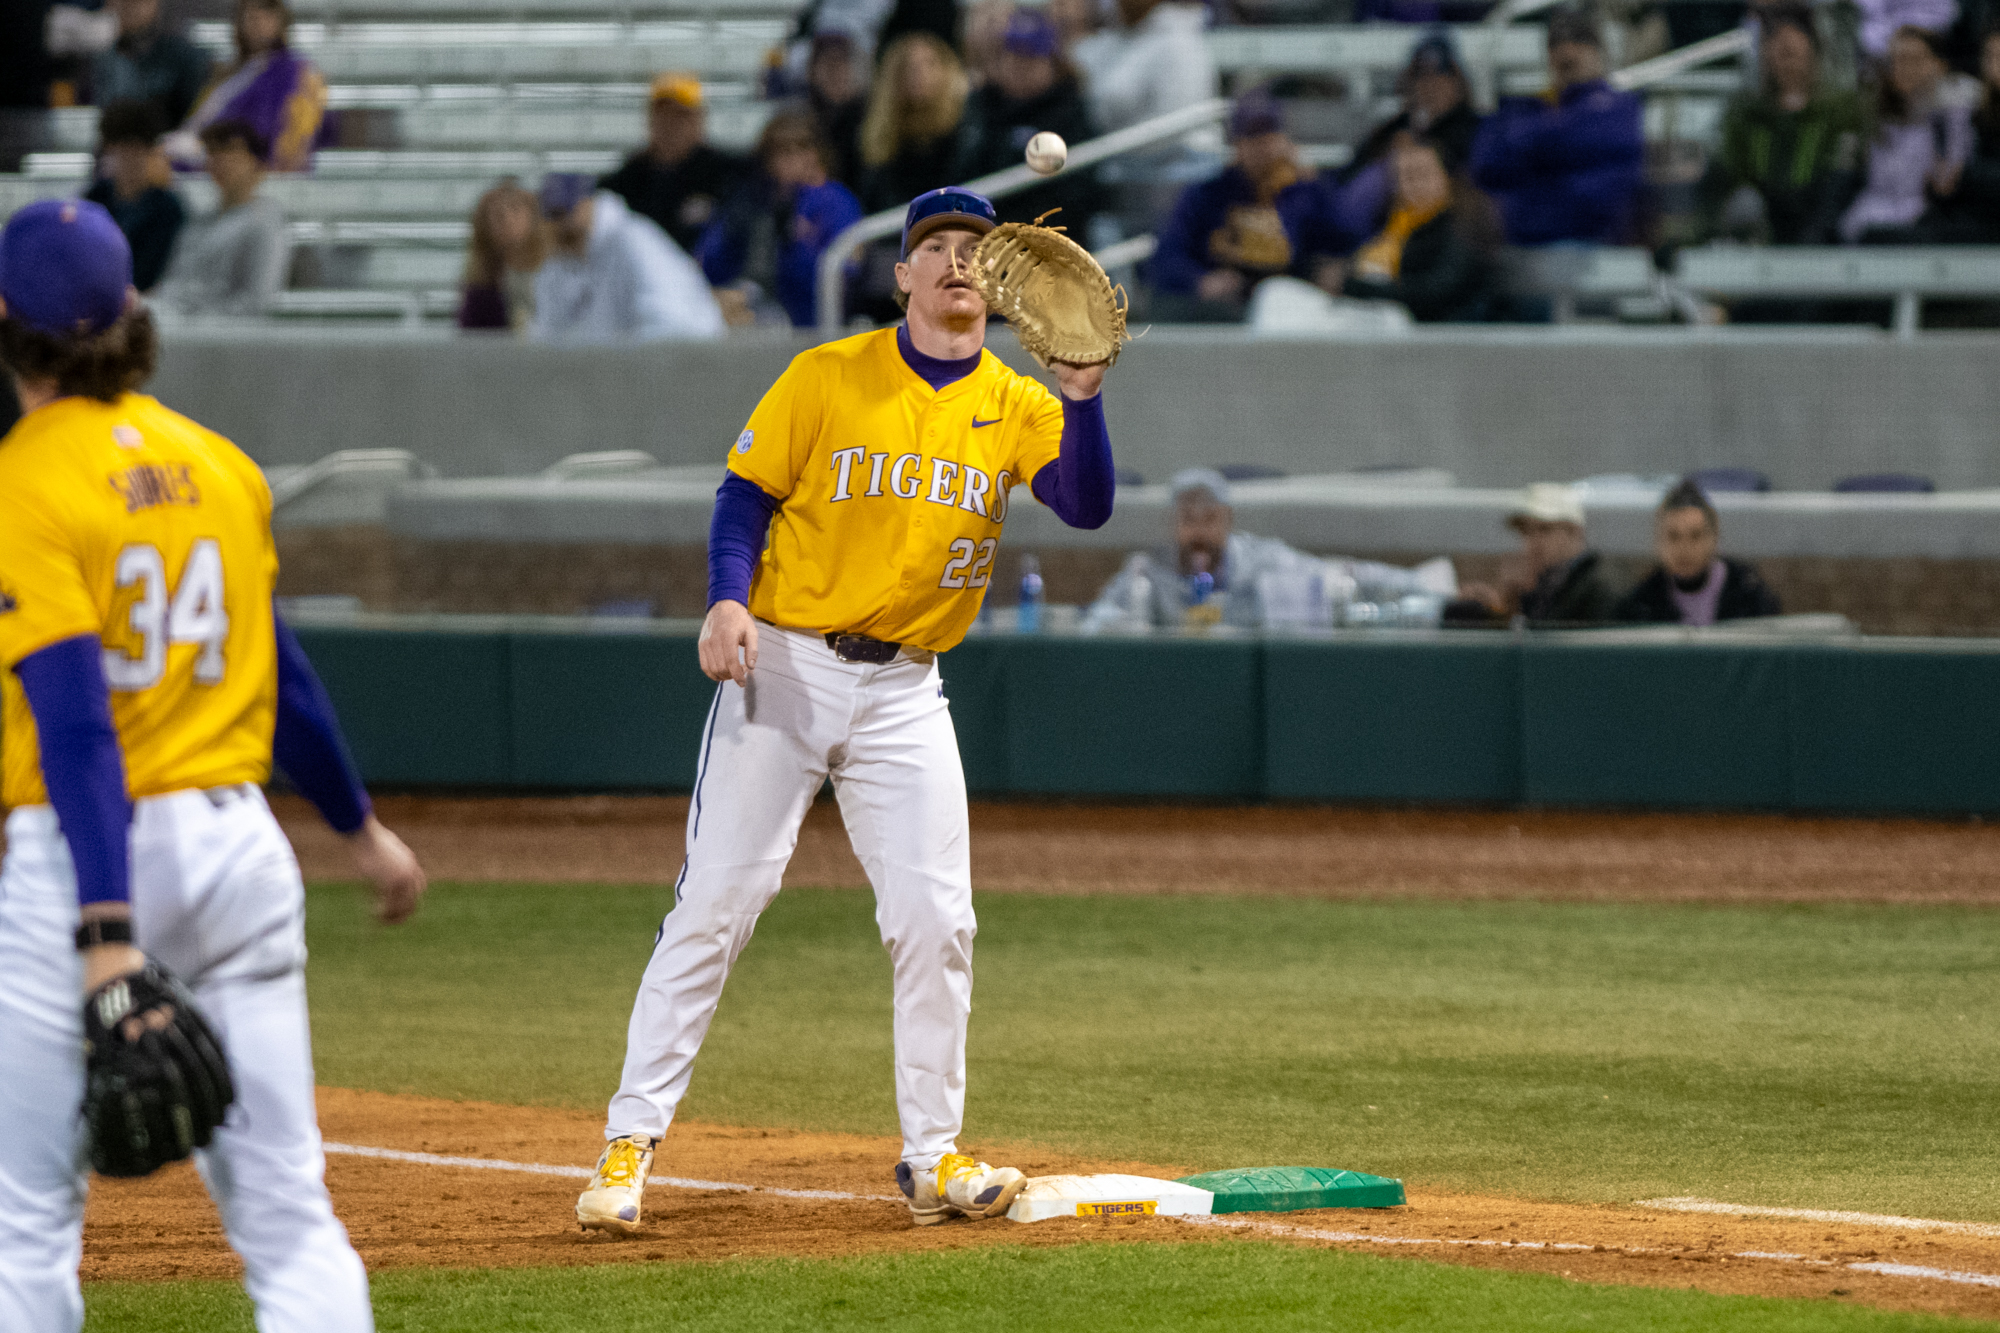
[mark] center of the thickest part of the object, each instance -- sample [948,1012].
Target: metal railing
[889,222]
[1659,68]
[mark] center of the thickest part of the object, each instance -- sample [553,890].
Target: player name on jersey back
[894,495]
[130,522]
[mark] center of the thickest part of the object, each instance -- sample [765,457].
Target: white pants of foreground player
[884,734]
[216,899]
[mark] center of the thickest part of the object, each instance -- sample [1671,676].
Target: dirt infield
[405,1215]
[1055,848]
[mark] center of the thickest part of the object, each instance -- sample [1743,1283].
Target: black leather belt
[856,648]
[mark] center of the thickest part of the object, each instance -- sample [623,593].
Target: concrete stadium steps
[1318,48]
[352,52]
[348,11]
[547,125]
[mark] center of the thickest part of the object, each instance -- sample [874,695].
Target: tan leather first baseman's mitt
[1061,304]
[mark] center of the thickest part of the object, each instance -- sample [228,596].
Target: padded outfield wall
[1498,407]
[1578,719]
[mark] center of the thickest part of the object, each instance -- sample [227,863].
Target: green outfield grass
[1840,1057]
[1105,1288]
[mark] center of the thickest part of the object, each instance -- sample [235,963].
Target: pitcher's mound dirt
[1311,851]
[409,1215]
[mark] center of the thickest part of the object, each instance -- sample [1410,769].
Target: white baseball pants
[884,733]
[216,899]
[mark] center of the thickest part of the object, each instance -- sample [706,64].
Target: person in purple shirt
[761,253]
[268,87]
[1266,214]
[1565,166]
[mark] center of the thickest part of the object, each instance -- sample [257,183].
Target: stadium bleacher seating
[454,94]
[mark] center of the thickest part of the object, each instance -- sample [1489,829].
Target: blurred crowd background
[1439,184]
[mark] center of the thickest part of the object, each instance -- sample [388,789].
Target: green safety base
[1285,1189]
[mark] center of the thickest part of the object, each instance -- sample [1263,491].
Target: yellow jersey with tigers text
[128,521]
[893,494]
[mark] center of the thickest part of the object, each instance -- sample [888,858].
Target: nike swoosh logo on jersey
[977,423]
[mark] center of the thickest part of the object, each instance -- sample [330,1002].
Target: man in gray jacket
[1215,575]
[613,275]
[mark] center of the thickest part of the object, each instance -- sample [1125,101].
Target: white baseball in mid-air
[1046,153]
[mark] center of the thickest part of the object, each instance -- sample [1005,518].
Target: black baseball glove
[156,1084]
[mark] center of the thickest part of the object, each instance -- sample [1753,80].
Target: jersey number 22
[194,613]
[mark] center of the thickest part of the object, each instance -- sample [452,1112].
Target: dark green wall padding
[1474,718]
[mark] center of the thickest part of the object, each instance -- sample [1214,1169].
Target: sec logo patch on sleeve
[745,440]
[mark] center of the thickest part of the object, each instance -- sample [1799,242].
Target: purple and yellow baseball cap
[952,205]
[64,267]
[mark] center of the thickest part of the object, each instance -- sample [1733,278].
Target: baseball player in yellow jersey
[880,467]
[147,683]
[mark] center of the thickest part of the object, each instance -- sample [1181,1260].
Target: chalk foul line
[1679,1205]
[1239,1222]
[584,1173]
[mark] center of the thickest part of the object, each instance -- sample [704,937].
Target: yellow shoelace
[622,1165]
[952,1165]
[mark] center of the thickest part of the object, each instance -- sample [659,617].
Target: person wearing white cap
[1214,574]
[1562,579]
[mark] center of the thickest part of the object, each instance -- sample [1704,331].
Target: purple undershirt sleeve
[82,766]
[306,741]
[736,535]
[1081,484]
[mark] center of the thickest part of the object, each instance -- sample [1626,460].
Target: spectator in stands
[613,275]
[1881,20]
[837,94]
[277,93]
[1565,167]
[1436,252]
[1158,63]
[233,261]
[1264,215]
[678,179]
[1692,585]
[509,243]
[910,138]
[149,63]
[137,186]
[1971,215]
[1922,141]
[1034,88]
[762,252]
[1557,579]
[1791,151]
[1212,573]
[1437,105]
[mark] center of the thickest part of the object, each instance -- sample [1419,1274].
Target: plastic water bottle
[1028,619]
[1139,608]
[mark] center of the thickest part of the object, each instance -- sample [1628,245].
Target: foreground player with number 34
[152,937]
[880,467]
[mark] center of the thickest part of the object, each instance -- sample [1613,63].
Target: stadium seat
[1885,483]
[1730,480]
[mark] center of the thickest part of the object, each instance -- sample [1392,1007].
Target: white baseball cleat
[618,1189]
[958,1187]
